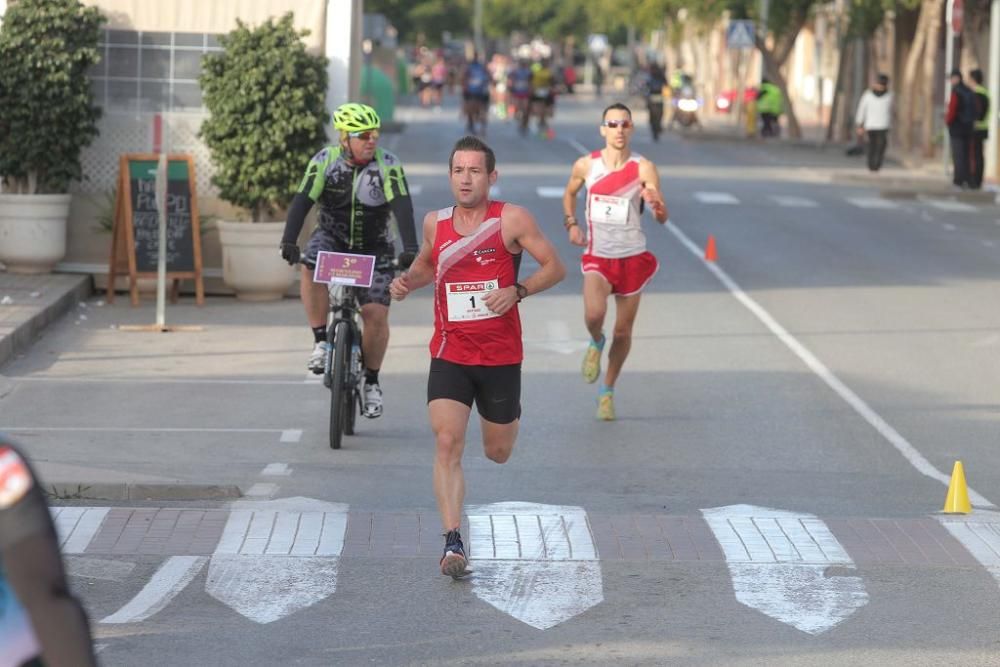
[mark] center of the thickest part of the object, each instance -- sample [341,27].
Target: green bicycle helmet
[354,117]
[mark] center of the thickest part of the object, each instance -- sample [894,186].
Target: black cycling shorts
[496,390]
[323,240]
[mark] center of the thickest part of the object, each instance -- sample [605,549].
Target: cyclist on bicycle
[357,186]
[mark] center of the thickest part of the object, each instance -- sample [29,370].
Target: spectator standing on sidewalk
[960,119]
[980,129]
[873,117]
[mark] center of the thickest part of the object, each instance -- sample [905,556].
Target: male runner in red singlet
[471,252]
[615,261]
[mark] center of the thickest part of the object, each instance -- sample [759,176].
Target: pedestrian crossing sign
[740,35]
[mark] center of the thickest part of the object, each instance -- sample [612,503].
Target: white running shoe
[317,360]
[373,401]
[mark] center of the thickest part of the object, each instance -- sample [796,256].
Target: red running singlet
[466,269]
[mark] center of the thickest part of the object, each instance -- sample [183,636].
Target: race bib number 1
[465,300]
[608,210]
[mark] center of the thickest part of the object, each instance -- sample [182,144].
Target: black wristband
[521,290]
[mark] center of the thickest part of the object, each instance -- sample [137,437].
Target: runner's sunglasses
[364,136]
[624,124]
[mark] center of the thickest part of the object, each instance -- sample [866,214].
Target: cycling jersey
[614,205]
[467,268]
[28,544]
[356,201]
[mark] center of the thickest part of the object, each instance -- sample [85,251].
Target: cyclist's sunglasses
[624,124]
[364,136]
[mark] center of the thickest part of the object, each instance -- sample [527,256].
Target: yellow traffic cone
[957,500]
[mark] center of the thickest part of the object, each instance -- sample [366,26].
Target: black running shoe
[454,563]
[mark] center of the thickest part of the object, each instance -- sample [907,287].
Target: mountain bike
[344,362]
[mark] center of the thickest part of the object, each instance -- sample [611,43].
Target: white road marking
[90,522]
[291,435]
[60,380]
[557,339]
[949,227]
[873,203]
[262,490]
[578,146]
[778,562]
[954,206]
[794,202]
[716,198]
[537,563]
[902,445]
[980,535]
[278,469]
[137,429]
[549,192]
[265,590]
[176,573]
[277,557]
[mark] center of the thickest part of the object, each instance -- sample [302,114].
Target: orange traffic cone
[710,255]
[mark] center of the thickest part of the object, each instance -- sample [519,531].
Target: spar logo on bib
[458,288]
[15,479]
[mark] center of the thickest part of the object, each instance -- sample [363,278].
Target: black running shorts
[496,390]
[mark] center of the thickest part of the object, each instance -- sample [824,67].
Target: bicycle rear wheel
[340,392]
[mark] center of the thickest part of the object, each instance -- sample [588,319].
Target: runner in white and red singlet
[619,184]
[471,252]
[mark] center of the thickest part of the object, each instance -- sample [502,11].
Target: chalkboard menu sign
[136,237]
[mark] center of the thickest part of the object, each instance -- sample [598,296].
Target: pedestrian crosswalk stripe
[872,202]
[716,198]
[794,202]
[952,206]
[549,192]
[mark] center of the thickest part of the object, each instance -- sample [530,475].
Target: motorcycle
[686,106]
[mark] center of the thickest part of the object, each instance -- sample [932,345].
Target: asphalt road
[828,369]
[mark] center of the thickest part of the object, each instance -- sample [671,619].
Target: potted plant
[47,117]
[266,98]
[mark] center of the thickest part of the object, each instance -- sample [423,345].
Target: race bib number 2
[608,210]
[465,300]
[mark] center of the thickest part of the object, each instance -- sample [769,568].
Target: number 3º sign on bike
[344,269]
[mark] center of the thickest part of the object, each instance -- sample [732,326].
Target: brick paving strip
[644,538]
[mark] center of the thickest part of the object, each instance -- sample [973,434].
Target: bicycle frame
[344,338]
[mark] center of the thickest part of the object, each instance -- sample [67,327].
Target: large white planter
[251,262]
[33,231]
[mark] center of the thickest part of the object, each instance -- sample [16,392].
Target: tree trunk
[930,71]
[775,59]
[910,70]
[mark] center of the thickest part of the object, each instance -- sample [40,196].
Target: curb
[25,332]
[127,491]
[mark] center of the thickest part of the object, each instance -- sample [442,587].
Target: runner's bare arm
[520,232]
[421,272]
[577,179]
[651,190]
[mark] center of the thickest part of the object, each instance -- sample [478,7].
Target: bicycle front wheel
[339,389]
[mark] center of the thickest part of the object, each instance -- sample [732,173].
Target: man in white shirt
[874,116]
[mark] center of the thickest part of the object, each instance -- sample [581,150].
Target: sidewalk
[904,176]
[28,303]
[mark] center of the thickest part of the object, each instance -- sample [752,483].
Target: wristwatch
[522,291]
